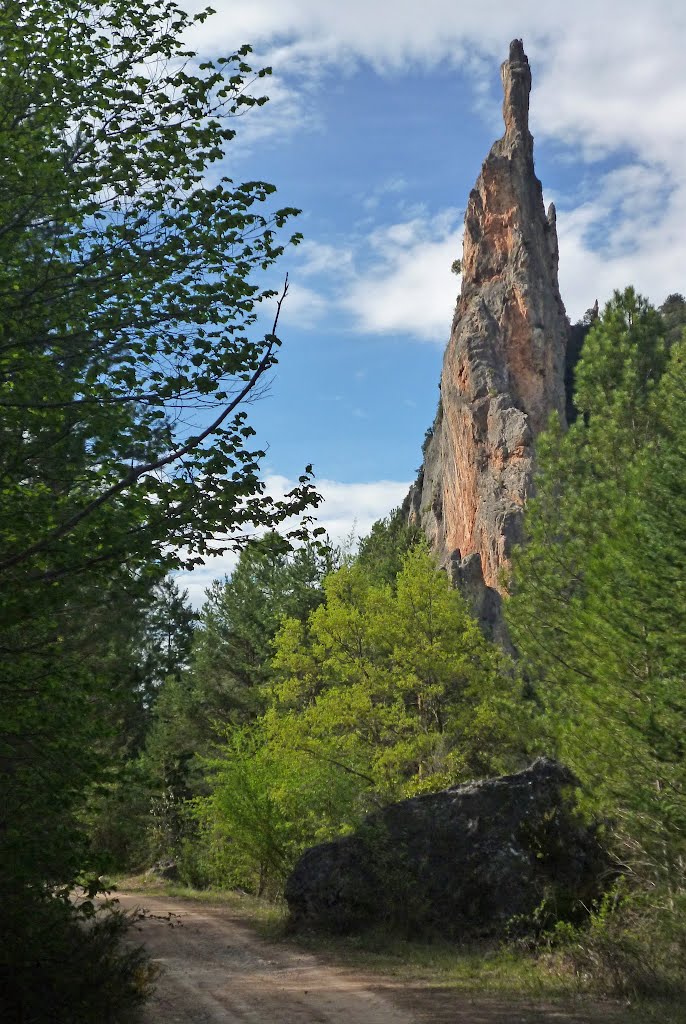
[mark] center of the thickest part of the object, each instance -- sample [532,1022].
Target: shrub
[83,973]
[633,946]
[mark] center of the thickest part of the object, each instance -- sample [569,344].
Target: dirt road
[215,970]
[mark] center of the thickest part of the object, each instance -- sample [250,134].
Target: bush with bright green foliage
[633,945]
[384,692]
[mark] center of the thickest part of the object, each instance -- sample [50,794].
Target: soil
[215,970]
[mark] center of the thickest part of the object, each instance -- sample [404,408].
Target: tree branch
[338,764]
[151,467]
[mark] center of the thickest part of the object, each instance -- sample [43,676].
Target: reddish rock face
[503,371]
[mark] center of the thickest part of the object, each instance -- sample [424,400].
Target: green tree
[380,554]
[240,618]
[384,692]
[129,304]
[401,680]
[147,648]
[165,639]
[229,667]
[128,345]
[597,606]
[673,312]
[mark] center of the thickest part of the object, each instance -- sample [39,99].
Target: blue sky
[381,113]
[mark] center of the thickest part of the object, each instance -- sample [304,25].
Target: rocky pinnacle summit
[503,370]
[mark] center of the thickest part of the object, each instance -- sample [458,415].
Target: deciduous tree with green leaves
[384,692]
[130,282]
[399,680]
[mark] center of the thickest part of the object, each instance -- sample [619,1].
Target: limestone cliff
[503,371]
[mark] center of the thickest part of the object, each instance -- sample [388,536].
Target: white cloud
[199,579]
[303,307]
[350,507]
[398,280]
[409,287]
[620,89]
[392,186]
[348,511]
[322,258]
[608,75]
[394,280]
[631,232]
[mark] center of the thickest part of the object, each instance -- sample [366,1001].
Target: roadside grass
[504,973]
[498,972]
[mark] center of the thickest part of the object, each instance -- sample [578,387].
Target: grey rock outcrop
[466,862]
[503,371]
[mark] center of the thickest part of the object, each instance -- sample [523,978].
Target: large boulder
[471,861]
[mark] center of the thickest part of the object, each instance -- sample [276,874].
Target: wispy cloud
[303,307]
[608,75]
[396,279]
[393,186]
[322,258]
[407,286]
[630,232]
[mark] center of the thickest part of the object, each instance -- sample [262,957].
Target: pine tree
[597,598]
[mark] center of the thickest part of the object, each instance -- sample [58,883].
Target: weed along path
[214,969]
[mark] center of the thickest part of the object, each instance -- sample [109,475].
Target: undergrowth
[632,947]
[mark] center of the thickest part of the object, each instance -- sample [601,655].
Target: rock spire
[503,370]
